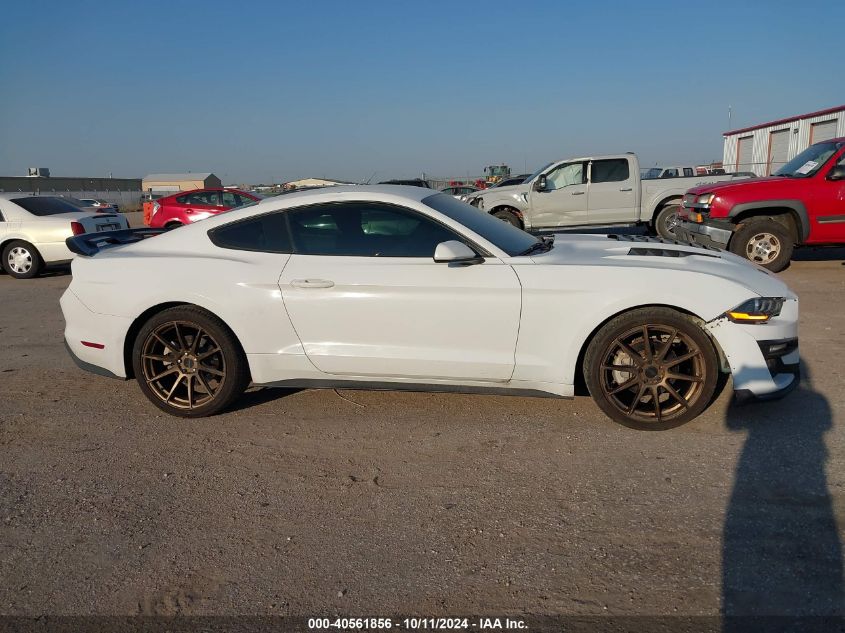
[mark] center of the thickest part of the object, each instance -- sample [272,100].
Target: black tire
[180,362]
[655,373]
[508,216]
[22,260]
[665,220]
[764,242]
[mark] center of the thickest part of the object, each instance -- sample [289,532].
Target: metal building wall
[798,142]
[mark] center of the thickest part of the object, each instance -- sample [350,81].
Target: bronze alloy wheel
[183,365]
[652,368]
[652,373]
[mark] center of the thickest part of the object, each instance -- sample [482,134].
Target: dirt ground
[368,503]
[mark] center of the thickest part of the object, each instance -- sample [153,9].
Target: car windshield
[46,205]
[809,161]
[505,236]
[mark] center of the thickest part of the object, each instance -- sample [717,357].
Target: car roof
[406,191]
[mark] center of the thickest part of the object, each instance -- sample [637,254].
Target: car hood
[736,185]
[655,255]
[501,190]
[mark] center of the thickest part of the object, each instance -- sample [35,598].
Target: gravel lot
[322,502]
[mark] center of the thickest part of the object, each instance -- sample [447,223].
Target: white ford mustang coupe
[389,287]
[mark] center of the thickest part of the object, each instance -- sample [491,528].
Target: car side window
[230,199]
[365,229]
[205,198]
[688,171]
[610,170]
[266,233]
[565,175]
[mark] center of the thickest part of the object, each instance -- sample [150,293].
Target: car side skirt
[368,385]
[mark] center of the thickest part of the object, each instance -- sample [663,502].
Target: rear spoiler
[89,244]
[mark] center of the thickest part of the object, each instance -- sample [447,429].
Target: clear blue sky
[271,91]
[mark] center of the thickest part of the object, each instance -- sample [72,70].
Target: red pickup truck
[764,219]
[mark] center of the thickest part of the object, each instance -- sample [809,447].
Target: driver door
[367,299]
[564,200]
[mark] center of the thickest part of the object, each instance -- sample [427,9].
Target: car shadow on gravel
[781,552]
[260,395]
[819,254]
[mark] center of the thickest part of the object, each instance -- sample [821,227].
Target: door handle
[578,193]
[627,189]
[311,283]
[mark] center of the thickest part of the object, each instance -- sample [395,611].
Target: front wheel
[763,242]
[22,260]
[651,369]
[188,363]
[508,216]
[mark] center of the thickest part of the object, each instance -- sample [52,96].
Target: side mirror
[837,173]
[540,184]
[455,252]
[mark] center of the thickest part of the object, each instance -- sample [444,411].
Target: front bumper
[764,359]
[703,234]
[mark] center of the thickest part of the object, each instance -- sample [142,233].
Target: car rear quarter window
[46,205]
[610,170]
[266,233]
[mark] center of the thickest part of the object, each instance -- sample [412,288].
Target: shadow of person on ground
[781,552]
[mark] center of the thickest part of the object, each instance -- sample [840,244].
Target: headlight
[707,198]
[757,310]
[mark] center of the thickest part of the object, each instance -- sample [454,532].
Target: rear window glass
[265,233]
[46,205]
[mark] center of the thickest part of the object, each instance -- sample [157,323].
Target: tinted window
[266,233]
[505,236]
[688,171]
[46,205]
[365,229]
[612,170]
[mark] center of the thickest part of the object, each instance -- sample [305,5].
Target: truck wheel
[763,242]
[666,220]
[21,260]
[508,216]
[651,369]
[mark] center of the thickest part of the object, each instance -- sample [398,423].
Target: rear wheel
[188,363]
[763,242]
[666,221]
[22,260]
[651,369]
[508,216]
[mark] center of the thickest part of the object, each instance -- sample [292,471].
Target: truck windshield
[808,162]
[506,236]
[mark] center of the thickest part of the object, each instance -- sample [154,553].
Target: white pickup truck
[593,191]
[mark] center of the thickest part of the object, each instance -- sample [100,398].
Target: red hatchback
[189,206]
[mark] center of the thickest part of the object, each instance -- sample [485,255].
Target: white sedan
[388,287]
[33,231]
